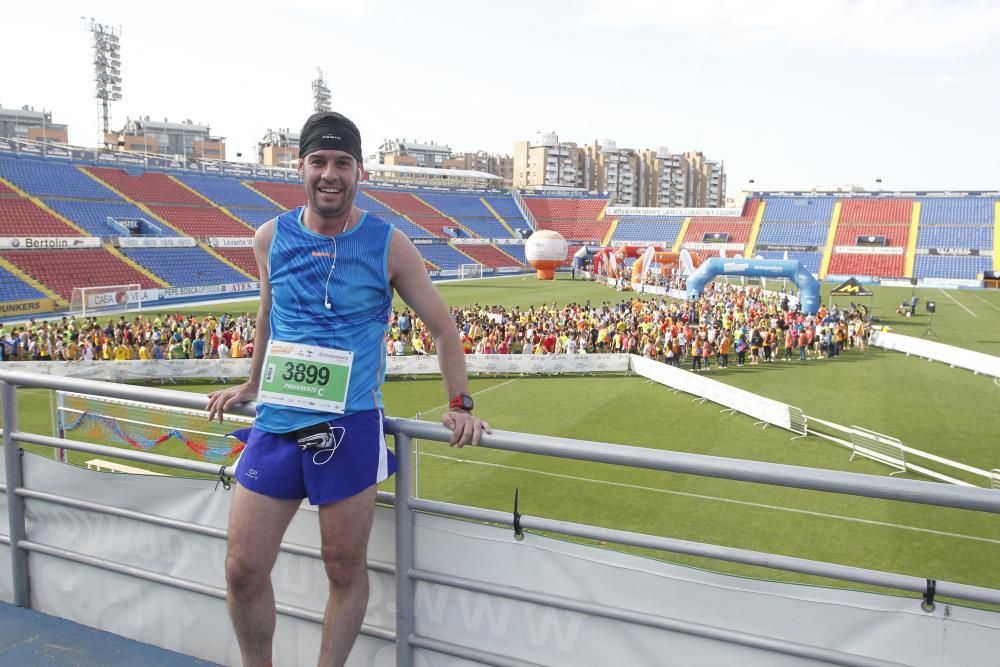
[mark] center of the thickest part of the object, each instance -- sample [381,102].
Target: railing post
[15,503]
[404,549]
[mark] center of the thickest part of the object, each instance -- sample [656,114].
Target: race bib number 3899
[305,376]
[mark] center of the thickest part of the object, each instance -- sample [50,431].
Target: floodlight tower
[107,70]
[321,93]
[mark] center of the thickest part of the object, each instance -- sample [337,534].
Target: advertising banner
[867,250]
[205,290]
[674,212]
[156,242]
[231,241]
[48,242]
[26,307]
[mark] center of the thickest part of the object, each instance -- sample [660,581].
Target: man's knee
[346,565]
[244,574]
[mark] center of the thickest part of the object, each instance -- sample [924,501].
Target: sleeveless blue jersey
[360,298]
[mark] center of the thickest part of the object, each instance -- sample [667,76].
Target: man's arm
[220,401]
[408,276]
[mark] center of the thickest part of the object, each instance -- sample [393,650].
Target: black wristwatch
[461,402]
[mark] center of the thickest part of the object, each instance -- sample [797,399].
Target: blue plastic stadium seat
[944,236]
[225,190]
[15,289]
[444,255]
[186,267]
[93,215]
[52,179]
[956,210]
[255,216]
[648,229]
[787,233]
[798,209]
[810,260]
[947,266]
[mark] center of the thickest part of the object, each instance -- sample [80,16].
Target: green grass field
[949,412]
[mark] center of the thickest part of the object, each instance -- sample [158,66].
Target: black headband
[330,131]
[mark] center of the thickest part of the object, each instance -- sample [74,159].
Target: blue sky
[791,93]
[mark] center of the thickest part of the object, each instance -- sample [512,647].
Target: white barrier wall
[529,364]
[758,407]
[6,587]
[948,354]
[894,628]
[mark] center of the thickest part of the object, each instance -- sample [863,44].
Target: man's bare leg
[256,525]
[345,527]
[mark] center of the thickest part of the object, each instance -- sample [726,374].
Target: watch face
[466,402]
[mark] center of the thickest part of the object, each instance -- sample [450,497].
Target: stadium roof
[431,171]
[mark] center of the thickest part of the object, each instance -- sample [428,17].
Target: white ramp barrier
[763,409]
[956,357]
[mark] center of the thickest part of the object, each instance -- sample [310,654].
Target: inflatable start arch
[758,268]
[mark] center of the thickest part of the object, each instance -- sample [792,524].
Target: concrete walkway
[29,639]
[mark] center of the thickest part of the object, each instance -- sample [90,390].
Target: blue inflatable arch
[758,268]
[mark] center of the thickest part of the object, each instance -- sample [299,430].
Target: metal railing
[407,506]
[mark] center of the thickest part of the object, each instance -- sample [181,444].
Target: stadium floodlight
[321,93]
[107,70]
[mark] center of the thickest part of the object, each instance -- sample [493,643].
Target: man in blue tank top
[327,272]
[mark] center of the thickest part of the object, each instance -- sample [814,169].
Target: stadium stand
[793,233]
[148,187]
[444,256]
[886,266]
[364,201]
[575,218]
[93,215]
[882,210]
[810,260]
[255,217]
[225,191]
[645,228]
[470,211]
[506,208]
[417,210]
[15,289]
[701,228]
[185,267]
[241,257]
[798,209]
[22,217]
[489,256]
[62,270]
[945,266]
[956,210]
[517,252]
[5,189]
[954,236]
[52,179]
[286,195]
[895,235]
[201,221]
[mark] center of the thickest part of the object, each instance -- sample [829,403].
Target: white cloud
[911,28]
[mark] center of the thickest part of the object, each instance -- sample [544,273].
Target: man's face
[331,180]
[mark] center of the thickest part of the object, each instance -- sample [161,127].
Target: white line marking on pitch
[721,500]
[979,298]
[960,304]
[478,393]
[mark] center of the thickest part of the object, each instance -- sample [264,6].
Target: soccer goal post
[469,271]
[89,300]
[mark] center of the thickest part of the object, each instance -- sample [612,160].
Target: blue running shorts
[273,464]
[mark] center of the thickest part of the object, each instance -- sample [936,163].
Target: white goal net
[99,299]
[469,271]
